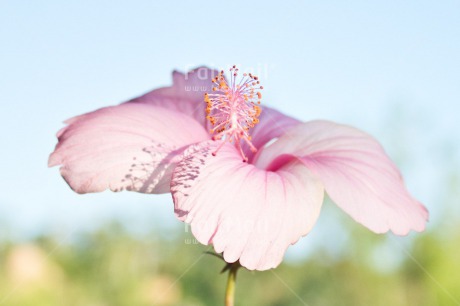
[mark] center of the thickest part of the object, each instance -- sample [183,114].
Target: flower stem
[231,284]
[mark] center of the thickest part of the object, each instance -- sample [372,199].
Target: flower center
[233,108]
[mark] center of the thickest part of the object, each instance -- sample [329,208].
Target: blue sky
[391,68]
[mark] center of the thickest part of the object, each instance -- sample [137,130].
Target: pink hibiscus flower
[169,140]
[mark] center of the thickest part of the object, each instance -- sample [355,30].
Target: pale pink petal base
[272,124]
[356,173]
[247,213]
[127,147]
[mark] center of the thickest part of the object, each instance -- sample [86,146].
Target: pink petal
[272,124]
[356,173]
[131,146]
[247,213]
[186,95]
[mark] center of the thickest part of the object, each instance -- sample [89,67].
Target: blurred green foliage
[112,267]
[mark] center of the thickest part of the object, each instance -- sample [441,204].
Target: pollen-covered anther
[233,108]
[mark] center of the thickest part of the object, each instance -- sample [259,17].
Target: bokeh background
[391,68]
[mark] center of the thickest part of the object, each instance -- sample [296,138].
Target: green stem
[231,284]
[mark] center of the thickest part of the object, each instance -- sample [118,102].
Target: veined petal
[356,173]
[247,213]
[131,146]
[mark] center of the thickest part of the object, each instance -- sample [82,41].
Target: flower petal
[131,146]
[247,213]
[186,95]
[272,124]
[356,173]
